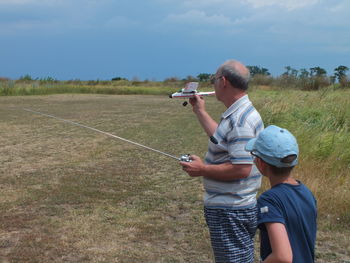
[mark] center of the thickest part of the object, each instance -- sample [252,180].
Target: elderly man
[230,179]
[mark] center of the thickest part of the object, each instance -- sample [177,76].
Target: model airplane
[189,91]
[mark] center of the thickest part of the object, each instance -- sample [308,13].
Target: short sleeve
[269,211]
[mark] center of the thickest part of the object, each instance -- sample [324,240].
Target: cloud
[27,2]
[120,22]
[58,16]
[15,2]
[202,3]
[199,18]
[288,4]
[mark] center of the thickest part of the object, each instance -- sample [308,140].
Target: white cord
[106,133]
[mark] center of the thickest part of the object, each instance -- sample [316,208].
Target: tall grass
[11,89]
[320,121]
[47,87]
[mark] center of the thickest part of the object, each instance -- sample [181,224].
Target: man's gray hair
[236,77]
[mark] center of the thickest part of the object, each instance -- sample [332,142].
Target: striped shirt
[239,123]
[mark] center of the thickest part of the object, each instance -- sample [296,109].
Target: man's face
[217,82]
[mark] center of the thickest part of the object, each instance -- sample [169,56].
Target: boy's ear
[261,164]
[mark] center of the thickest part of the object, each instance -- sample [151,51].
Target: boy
[287,212]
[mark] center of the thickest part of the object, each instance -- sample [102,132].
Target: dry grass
[72,195]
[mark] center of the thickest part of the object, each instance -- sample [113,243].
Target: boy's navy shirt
[295,207]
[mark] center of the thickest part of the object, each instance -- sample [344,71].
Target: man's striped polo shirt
[239,123]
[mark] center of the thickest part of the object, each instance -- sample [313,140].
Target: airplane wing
[190,90]
[190,95]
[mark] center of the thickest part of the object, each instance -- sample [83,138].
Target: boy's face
[259,164]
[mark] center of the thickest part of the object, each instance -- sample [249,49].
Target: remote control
[185,158]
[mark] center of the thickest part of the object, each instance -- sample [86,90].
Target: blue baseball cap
[273,144]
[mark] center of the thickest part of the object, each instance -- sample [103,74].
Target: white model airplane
[190,90]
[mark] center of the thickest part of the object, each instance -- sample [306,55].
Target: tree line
[309,79]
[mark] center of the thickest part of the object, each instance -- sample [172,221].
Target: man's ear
[224,80]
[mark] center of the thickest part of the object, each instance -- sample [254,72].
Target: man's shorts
[232,233]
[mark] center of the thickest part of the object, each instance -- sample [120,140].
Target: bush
[344,82]
[316,82]
[286,81]
[3,79]
[262,80]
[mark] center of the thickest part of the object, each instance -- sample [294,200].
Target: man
[230,179]
[287,212]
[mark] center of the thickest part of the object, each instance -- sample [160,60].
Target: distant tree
[265,72]
[190,78]
[48,79]
[304,79]
[290,72]
[172,79]
[256,70]
[26,77]
[318,78]
[340,72]
[317,71]
[332,79]
[287,72]
[203,77]
[294,72]
[118,78]
[260,76]
[303,73]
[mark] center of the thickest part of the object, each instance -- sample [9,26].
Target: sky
[159,39]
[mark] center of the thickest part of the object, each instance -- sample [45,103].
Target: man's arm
[219,172]
[280,245]
[198,107]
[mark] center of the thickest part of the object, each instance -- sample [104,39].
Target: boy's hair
[282,171]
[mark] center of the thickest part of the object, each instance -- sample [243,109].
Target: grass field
[68,194]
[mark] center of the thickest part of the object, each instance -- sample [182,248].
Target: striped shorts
[232,233]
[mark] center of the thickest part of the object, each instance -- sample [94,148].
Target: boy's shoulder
[284,193]
[276,190]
